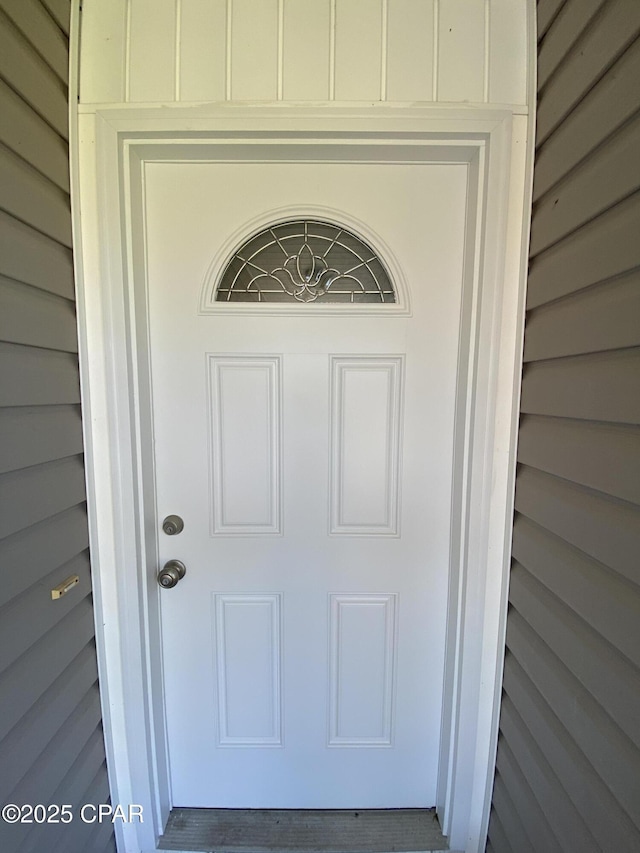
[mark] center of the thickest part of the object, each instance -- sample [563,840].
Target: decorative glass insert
[304,260]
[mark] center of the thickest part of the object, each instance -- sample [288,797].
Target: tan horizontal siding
[602,111]
[602,527]
[51,741]
[568,764]
[497,841]
[609,175]
[572,20]
[28,739]
[610,678]
[612,755]
[535,823]
[40,549]
[79,836]
[603,457]
[30,197]
[607,602]
[506,811]
[602,249]
[29,256]
[30,376]
[58,757]
[548,11]
[102,833]
[605,317]
[41,31]
[95,844]
[20,626]
[586,61]
[74,788]
[23,683]
[56,760]
[59,11]
[30,76]
[33,494]
[31,435]
[598,386]
[562,816]
[36,318]
[25,133]
[609,823]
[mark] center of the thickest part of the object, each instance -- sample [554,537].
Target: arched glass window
[305,260]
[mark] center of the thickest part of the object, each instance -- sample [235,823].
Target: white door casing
[310,455]
[122,513]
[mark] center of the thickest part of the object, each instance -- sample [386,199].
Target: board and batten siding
[51,741]
[568,764]
[199,51]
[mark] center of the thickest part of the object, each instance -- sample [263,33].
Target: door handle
[172,572]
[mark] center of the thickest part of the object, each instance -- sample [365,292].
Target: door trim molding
[112,149]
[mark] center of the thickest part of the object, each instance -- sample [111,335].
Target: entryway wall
[568,762]
[51,741]
[143,55]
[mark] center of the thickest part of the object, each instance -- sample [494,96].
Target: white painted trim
[114,379]
[201,107]
[520,216]
[108,646]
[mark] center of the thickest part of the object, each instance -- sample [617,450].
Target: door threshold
[303,831]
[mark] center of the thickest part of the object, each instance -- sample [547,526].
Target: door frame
[113,147]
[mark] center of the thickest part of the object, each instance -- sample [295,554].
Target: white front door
[309,451]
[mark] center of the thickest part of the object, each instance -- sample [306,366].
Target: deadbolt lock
[172,525]
[172,572]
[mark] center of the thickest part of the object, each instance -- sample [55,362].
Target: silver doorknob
[171,573]
[173,525]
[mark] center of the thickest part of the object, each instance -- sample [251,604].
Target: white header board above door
[195,51]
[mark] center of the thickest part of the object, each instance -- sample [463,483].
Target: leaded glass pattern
[305,260]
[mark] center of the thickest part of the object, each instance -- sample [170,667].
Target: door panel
[361,689]
[366,428]
[245,453]
[248,661]
[310,455]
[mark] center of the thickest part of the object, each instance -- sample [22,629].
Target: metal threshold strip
[302,831]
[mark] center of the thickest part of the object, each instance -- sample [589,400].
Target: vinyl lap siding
[51,743]
[568,764]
